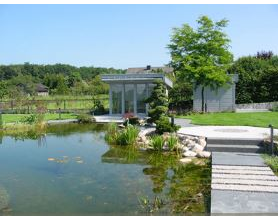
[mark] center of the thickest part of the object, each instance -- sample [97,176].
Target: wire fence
[52,106]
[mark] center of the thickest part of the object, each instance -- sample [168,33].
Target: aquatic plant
[85,118]
[157,142]
[126,136]
[172,142]
[151,206]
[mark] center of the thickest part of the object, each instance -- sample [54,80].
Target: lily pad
[51,159]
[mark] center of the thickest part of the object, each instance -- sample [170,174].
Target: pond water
[71,170]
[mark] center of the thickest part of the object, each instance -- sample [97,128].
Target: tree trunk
[203,99]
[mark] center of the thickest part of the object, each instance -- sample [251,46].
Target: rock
[199,162]
[202,142]
[184,149]
[186,160]
[198,148]
[204,154]
[165,146]
[189,154]
[4,198]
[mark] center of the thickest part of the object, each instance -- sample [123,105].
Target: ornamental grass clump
[157,142]
[172,142]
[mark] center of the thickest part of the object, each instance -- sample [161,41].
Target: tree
[158,109]
[257,79]
[201,56]
[158,102]
[3,89]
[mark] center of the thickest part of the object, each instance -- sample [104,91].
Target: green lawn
[257,119]
[8,118]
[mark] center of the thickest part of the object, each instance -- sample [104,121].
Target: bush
[275,107]
[1,121]
[33,118]
[172,142]
[98,108]
[164,125]
[157,142]
[126,136]
[85,119]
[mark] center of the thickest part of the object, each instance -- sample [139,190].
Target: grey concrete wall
[222,99]
[266,105]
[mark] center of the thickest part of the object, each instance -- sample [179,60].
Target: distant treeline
[61,79]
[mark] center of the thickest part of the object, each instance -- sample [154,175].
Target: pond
[71,170]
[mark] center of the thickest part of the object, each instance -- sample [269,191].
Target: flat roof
[136,78]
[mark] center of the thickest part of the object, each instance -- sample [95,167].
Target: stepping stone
[249,188]
[227,167]
[245,182]
[247,177]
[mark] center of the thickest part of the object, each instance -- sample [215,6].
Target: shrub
[157,142]
[1,121]
[85,118]
[126,136]
[164,125]
[172,142]
[275,107]
[98,108]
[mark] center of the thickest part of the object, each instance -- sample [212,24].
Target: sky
[122,36]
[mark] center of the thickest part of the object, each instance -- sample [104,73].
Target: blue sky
[122,36]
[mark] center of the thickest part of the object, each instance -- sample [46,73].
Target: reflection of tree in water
[177,188]
[187,186]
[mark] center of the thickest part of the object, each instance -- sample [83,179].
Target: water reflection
[187,187]
[77,173]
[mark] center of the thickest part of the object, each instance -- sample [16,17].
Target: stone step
[244,182]
[235,148]
[250,188]
[244,176]
[231,167]
[233,141]
[242,172]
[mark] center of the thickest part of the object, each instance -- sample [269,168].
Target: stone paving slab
[230,132]
[242,184]
[241,172]
[241,159]
[239,202]
[245,182]
[247,177]
[249,188]
[229,167]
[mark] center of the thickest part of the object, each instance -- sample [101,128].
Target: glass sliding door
[116,98]
[141,97]
[129,98]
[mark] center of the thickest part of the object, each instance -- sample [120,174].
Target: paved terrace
[241,182]
[230,132]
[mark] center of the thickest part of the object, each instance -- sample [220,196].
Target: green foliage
[126,136]
[164,125]
[1,120]
[172,142]
[60,78]
[180,96]
[271,161]
[98,108]
[3,89]
[157,142]
[151,206]
[258,79]
[201,56]
[85,118]
[158,102]
[33,119]
[275,107]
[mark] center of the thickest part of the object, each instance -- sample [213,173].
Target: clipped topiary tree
[158,102]
[158,109]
